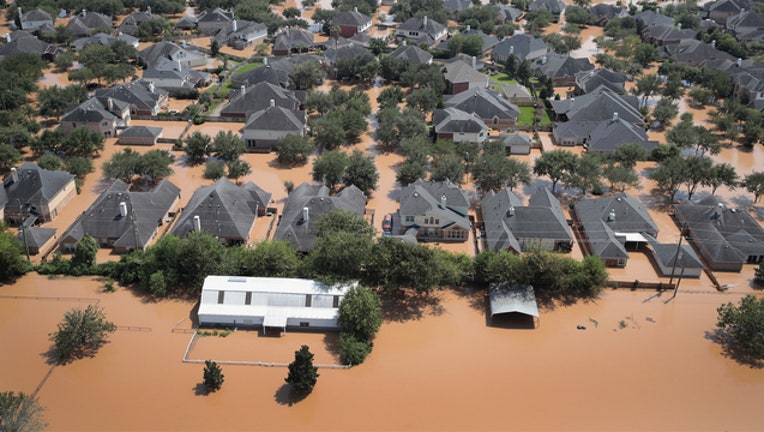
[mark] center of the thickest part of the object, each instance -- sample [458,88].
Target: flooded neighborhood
[541,208]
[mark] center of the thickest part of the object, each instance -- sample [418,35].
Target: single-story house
[726,237]
[672,261]
[140,135]
[270,303]
[37,240]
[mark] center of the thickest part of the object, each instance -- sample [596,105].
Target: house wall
[137,140]
[189,60]
[567,141]
[565,81]
[519,150]
[685,272]
[61,199]
[106,128]
[347,31]
[211,28]
[456,88]
[45,247]
[263,140]
[463,137]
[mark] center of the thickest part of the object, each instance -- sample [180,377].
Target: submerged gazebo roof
[506,298]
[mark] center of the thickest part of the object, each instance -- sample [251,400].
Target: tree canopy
[302,374]
[744,323]
[80,334]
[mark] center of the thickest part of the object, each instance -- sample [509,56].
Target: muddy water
[446,371]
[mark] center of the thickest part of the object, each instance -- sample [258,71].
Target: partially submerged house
[31,191]
[143,97]
[599,79]
[102,115]
[212,21]
[270,303]
[173,76]
[613,225]
[34,19]
[458,126]
[725,237]
[461,76]
[86,23]
[510,225]
[521,46]
[37,240]
[140,135]
[240,34]
[486,105]
[122,219]
[257,97]
[186,55]
[304,208]
[434,211]
[292,40]
[224,210]
[412,54]
[555,7]
[131,22]
[516,143]
[267,126]
[672,261]
[351,22]
[561,69]
[105,40]
[421,30]
[24,42]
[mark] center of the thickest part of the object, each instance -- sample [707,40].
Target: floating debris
[650,319]
[580,327]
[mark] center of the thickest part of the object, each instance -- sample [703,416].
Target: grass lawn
[526,117]
[224,89]
[248,67]
[503,78]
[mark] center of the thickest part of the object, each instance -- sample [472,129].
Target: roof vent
[424,21]
[443,201]
[234,26]
[272,103]
[243,90]
[197,223]
[611,216]
[713,43]
[739,62]
[305,214]
[123,209]
[615,116]
[511,211]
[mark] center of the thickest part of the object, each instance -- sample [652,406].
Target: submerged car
[387,223]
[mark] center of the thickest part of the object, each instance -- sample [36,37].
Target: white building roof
[507,298]
[271,285]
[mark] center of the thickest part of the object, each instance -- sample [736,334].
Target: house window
[221,297]
[248,298]
[74,125]
[437,221]
[409,218]
[336,301]
[308,300]
[304,324]
[414,34]
[105,123]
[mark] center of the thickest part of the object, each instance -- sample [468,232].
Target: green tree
[722,174]
[578,15]
[644,54]
[228,146]
[646,86]
[329,132]
[744,323]
[519,173]
[50,162]
[302,374]
[361,172]
[394,265]
[669,174]
[80,166]
[389,97]
[85,253]
[64,61]
[213,376]
[448,166]
[700,96]
[423,99]
[9,156]
[620,176]
[329,168]
[237,169]
[754,183]
[557,165]
[80,334]
[269,259]
[697,170]
[353,351]
[360,313]
[20,412]
[293,150]
[155,165]
[215,48]
[339,256]
[683,134]
[665,111]
[340,221]
[199,255]
[758,276]
[12,262]
[213,170]
[123,165]
[53,101]
[409,172]
[308,75]
[491,170]
[588,172]
[197,147]
[629,154]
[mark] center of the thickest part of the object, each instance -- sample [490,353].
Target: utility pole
[678,253]
[23,230]
[678,281]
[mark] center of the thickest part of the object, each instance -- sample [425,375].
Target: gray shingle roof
[141,132]
[258,97]
[508,12]
[82,23]
[454,120]
[561,65]
[224,209]
[244,30]
[293,38]
[36,236]
[36,186]
[145,211]
[350,18]
[412,53]
[166,49]
[423,25]
[275,72]
[608,135]
[522,46]
[598,106]
[509,224]
[696,53]
[722,235]
[424,198]
[277,118]
[23,42]
[36,15]
[651,18]
[131,22]
[630,216]
[598,78]
[349,51]
[215,15]
[515,140]
[666,254]
[135,93]
[457,5]
[554,6]
[104,39]
[461,72]
[300,233]
[483,103]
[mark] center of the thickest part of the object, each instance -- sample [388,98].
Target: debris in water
[580,327]
[594,321]
[650,319]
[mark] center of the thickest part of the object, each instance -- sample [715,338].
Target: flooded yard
[642,363]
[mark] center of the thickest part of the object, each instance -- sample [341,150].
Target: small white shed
[275,303]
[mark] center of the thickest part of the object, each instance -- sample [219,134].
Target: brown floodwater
[447,370]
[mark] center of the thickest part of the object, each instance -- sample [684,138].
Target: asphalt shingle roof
[36,186]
